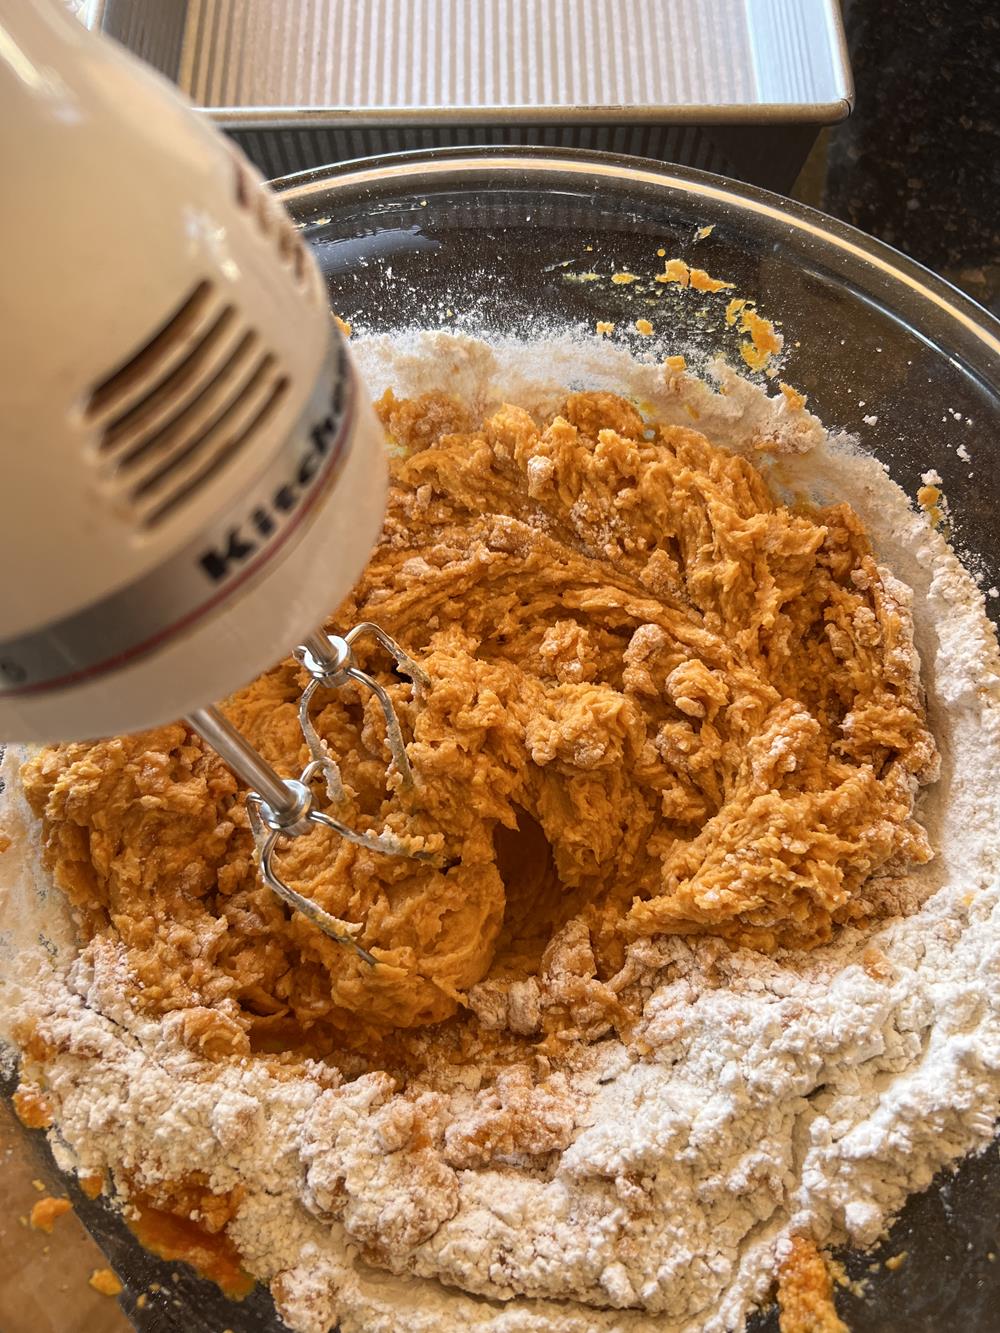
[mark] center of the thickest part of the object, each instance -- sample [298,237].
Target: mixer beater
[283,808]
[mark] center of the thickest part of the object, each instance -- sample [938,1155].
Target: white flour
[774,1094]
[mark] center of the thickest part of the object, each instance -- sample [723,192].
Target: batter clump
[660,701]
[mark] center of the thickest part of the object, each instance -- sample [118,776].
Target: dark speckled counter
[918,164]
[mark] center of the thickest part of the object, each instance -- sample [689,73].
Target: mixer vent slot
[130,378]
[197,394]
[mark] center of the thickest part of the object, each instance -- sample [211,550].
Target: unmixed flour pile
[712,964]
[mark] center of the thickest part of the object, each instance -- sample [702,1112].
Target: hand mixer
[192,476]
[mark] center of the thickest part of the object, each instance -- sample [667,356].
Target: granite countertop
[918,163]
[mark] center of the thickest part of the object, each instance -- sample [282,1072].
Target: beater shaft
[248,764]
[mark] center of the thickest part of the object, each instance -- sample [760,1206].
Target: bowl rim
[916,282]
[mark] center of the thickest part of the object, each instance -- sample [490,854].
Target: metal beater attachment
[282,808]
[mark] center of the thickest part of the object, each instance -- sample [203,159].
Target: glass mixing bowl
[495,243]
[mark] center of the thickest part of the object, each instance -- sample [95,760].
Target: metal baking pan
[739,87]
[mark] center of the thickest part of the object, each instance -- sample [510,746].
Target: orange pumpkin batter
[659,698]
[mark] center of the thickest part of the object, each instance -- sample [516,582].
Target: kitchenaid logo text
[264,520]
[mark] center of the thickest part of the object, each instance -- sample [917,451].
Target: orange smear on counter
[46,1211]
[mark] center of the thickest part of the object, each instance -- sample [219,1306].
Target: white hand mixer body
[193,476]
